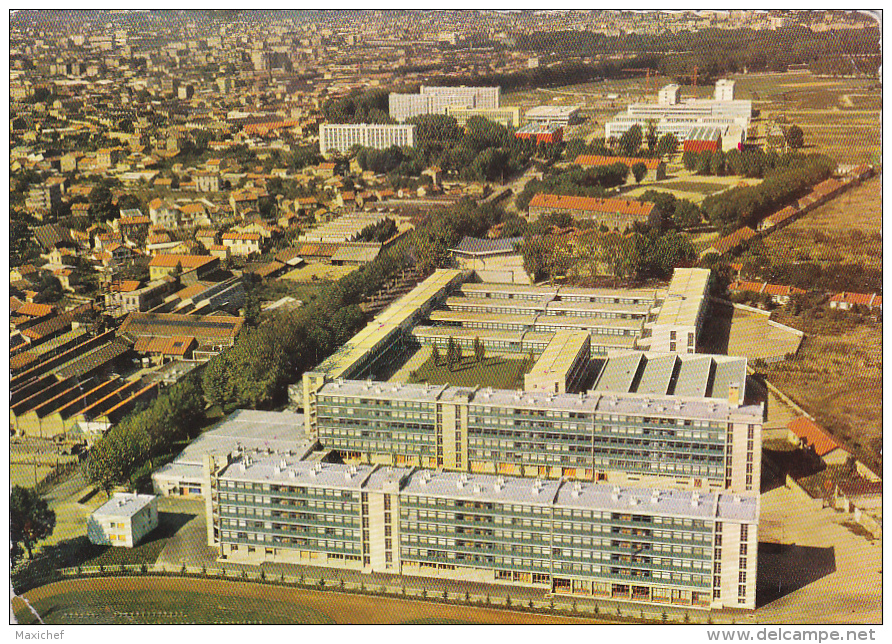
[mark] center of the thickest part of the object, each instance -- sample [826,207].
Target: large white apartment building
[679,117]
[342,137]
[436,100]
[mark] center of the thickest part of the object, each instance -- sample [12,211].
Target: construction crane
[646,70]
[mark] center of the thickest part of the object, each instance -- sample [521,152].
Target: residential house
[243,244]
[807,434]
[163,213]
[731,242]
[191,267]
[779,293]
[848,300]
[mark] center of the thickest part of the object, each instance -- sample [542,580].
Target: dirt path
[344,608]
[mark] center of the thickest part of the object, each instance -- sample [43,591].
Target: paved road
[189,544]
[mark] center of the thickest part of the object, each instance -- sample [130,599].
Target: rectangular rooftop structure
[681,376]
[656,375]
[693,377]
[562,365]
[618,373]
[678,323]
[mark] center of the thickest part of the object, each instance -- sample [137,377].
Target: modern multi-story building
[670,115]
[630,476]
[678,324]
[437,100]
[341,137]
[506,116]
[632,428]
[553,115]
[654,545]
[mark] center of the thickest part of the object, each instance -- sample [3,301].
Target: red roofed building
[656,168]
[779,293]
[243,243]
[807,434]
[200,265]
[731,242]
[613,213]
[847,300]
[779,219]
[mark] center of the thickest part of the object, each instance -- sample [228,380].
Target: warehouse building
[553,115]
[647,544]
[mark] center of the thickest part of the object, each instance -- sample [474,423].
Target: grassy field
[839,116]
[23,474]
[317,273]
[837,376]
[158,600]
[496,372]
[276,289]
[846,229]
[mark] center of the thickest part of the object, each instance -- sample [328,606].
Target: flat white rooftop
[124,505]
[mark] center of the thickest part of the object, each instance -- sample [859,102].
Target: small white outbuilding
[124,520]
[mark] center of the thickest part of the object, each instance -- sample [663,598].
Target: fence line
[565,606]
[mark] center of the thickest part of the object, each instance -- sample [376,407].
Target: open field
[24,474]
[839,116]
[838,378]
[318,273]
[846,229]
[158,600]
[496,372]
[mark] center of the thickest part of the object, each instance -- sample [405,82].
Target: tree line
[747,205]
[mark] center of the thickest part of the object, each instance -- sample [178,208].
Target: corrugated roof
[476,245]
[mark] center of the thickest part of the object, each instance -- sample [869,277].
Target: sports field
[497,372]
[163,600]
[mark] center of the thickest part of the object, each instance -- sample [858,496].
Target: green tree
[630,141]
[717,163]
[49,289]
[794,137]
[30,518]
[689,159]
[704,162]
[639,171]
[451,353]
[435,355]
[667,145]
[479,350]
[651,135]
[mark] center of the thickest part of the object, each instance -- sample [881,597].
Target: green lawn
[305,292]
[695,186]
[150,607]
[496,372]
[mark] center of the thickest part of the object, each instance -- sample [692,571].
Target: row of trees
[146,434]
[369,106]
[745,206]
[637,256]
[749,162]
[717,52]
[576,181]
